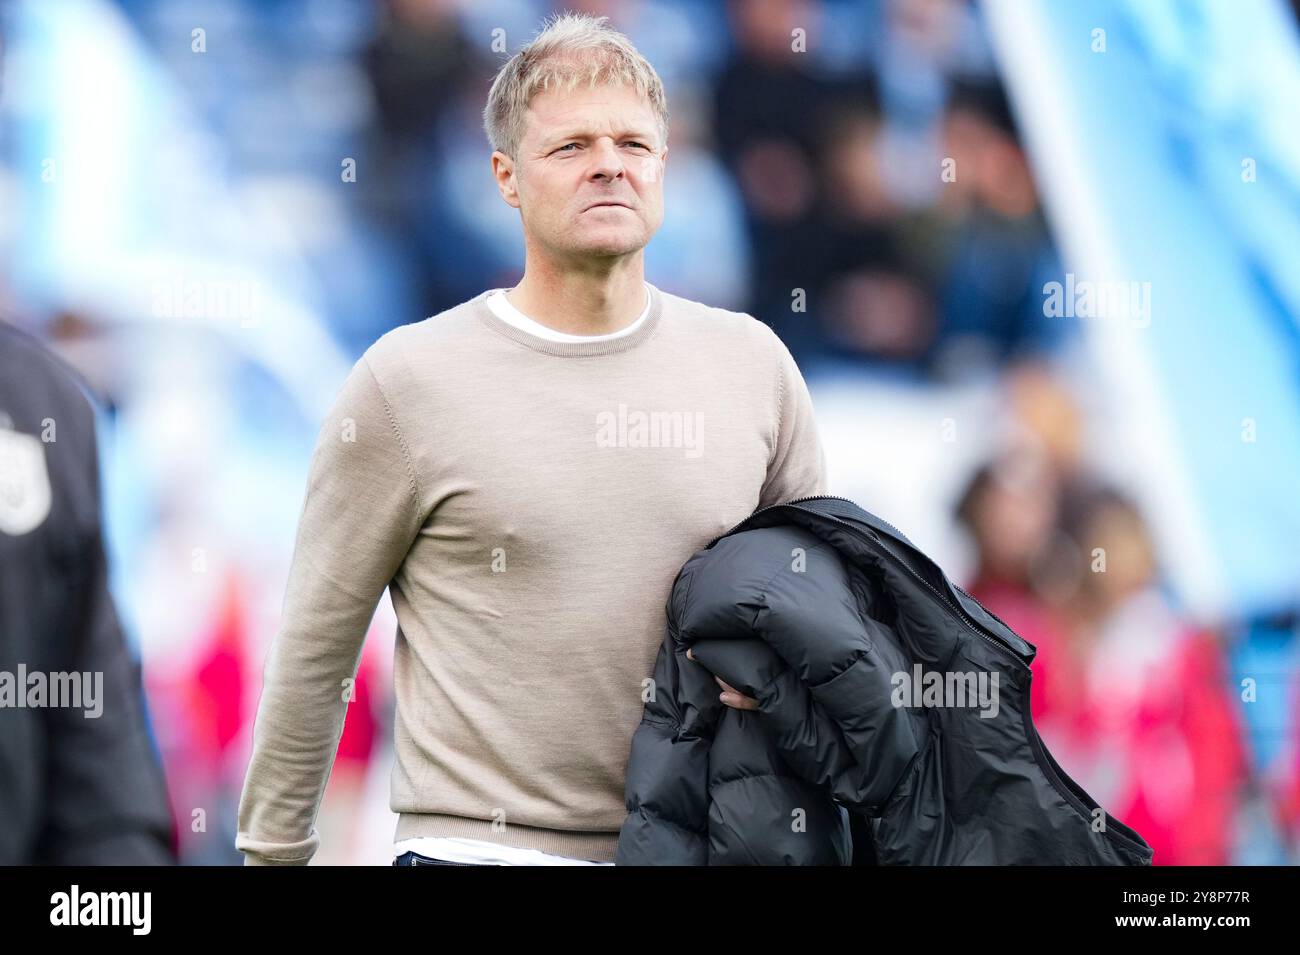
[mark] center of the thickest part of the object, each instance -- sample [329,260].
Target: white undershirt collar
[501,306]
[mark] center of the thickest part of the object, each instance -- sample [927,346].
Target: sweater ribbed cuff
[258,852]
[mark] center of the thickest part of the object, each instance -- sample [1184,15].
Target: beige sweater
[528,503]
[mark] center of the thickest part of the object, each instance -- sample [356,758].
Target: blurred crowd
[867,194]
[1135,702]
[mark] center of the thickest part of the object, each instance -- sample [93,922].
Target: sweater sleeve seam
[401,440]
[780,400]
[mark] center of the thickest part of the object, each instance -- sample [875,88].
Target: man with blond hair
[526,472]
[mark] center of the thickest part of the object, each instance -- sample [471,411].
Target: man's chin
[609,246]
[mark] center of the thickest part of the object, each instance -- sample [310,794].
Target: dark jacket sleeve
[667,784]
[85,785]
[796,635]
[764,796]
[106,799]
[830,709]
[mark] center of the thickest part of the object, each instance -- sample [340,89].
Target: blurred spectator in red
[1022,573]
[1149,726]
[1287,790]
[1132,701]
[1010,508]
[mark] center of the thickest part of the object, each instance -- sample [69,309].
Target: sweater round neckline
[602,346]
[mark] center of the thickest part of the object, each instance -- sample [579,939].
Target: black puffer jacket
[828,616]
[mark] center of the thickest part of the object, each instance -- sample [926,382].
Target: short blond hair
[572,48]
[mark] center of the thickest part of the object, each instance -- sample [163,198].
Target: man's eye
[642,145]
[565,146]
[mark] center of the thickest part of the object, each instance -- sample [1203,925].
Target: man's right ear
[503,169]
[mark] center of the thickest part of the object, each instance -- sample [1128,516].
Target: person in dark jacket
[80,783]
[891,709]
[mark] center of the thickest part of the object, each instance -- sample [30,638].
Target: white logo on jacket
[24,483]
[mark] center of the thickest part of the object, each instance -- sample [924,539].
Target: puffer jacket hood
[892,708]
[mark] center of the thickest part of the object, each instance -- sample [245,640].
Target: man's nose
[606,160]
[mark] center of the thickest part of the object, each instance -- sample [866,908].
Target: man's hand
[730,695]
